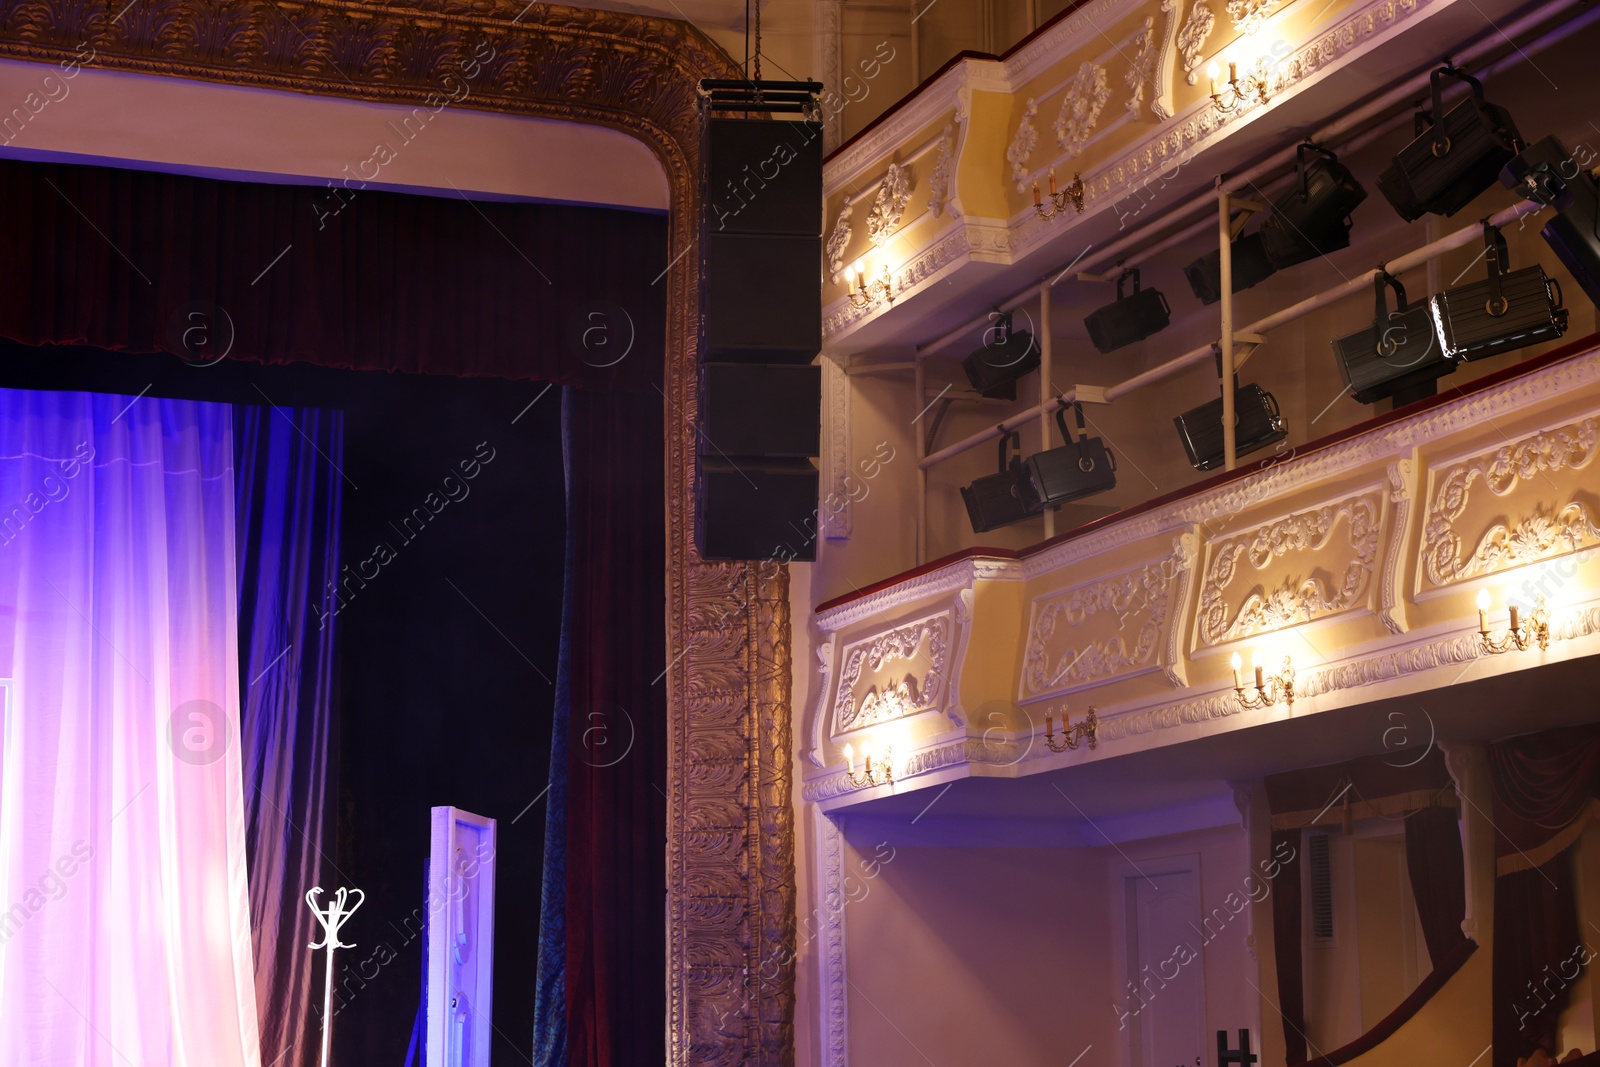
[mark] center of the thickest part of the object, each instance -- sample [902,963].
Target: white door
[1166,963]
[460,938]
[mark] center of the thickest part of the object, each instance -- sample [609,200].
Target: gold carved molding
[730,848]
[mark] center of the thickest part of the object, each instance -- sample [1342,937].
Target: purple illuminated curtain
[126,937]
[288,514]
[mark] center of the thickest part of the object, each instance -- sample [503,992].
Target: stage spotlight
[1508,309]
[1006,356]
[1129,318]
[1455,156]
[1398,355]
[1546,173]
[1081,467]
[1256,418]
[1314,219]
[1005,498]
[1250,267]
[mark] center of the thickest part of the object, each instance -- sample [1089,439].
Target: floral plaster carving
[1132,608]
[889,205]
[1081,107]
[1299,596]
[1141,71]
[943,164]
[1546,530]
[1161,104]
[926,641]
[1249,15]
[1022,146]
[1192,38]
[839,241]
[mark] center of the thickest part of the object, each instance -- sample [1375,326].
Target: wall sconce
[1268,690]
[1058,200]
[1521,634]
[1074,735]
[878,771]
[1253,84]
[864,293]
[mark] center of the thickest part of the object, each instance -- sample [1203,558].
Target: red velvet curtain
[615,654]
[126,260]
[1286,908]
[1544,787]
[1543,783]
[1438,879]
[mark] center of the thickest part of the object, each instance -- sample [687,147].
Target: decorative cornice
[962,574]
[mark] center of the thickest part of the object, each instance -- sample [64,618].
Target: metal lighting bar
[1467,235]
[1046,366]
[1400,97]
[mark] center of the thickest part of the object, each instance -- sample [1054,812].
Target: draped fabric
[1539,951]
[126,934]
[356,278]
[611,720]
[287,514]
[1438,873]
[1545,788]
[1421,792]
[1286,910]
[341,275]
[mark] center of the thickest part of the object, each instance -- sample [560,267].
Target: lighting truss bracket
[1089,394]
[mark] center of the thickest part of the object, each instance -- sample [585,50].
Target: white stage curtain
[125,935]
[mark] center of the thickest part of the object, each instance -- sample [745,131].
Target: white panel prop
[460,938]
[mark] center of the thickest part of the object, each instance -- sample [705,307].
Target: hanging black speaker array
[760,397]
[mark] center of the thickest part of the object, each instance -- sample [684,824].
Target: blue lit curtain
[287,520]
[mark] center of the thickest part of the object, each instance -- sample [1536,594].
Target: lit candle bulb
[1483,611]
[1255,661]
[850,758]
[860,271]
[1052,181]
[1238,673]
[1213,72]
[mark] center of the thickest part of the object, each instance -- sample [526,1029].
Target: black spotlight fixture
[1007,355]
[1313,219]
[1398,355]
[1251,266]
[1129,318]
[1508,309]
[1005,498]
[1455,155]
[1257,424]
[1081,467]
[1546,173]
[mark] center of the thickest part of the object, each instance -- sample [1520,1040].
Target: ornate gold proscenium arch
[730,876]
